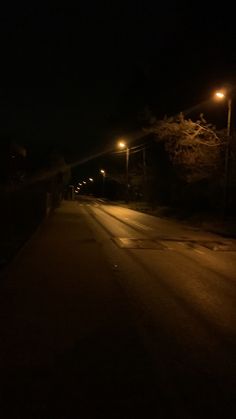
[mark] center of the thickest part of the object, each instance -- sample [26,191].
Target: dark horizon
[74,78]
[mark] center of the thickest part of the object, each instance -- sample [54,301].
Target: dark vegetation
[27,196]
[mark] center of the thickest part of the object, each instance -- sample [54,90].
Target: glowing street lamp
[123,146]
[84,182]
[91,179]
[221,95]
[103,173]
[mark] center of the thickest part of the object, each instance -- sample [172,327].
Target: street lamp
[221,95]
[103,173]
[91,179]
[122,145]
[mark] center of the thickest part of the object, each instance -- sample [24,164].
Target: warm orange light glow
[102,171]
[121,144]
[220,95]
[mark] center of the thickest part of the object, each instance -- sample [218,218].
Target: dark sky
[72,78]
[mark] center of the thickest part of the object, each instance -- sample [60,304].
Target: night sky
[74,78]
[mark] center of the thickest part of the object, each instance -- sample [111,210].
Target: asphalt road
[109,312]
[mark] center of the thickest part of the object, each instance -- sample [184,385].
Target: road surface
[109,312]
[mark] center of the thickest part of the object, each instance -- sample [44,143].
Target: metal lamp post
[122,145]
[103,181]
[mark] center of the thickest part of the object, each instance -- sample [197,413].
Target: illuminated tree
[194,148]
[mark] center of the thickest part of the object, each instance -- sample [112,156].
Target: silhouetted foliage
[194,148]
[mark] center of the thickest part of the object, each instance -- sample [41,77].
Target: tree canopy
[194,148]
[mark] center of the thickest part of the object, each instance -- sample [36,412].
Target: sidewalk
[67,335]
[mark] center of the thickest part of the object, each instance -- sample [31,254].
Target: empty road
[182,281]
[109,312]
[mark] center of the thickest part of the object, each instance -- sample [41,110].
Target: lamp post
[221,95]
[122,145]
[103,173]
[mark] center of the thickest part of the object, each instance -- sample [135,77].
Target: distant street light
[122,145]
[103,173]
[221,95]
[84,182]
[80,184]
[91,179]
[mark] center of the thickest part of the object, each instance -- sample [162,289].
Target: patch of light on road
[144,227]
